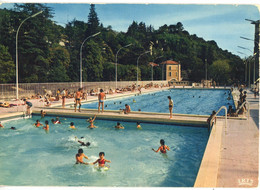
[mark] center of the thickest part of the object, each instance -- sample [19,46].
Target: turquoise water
[31,157]
[186,101]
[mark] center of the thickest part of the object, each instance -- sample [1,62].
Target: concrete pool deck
[231,158]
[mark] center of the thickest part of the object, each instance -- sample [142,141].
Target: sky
[223,23]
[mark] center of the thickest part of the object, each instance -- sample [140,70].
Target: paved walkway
[239,160]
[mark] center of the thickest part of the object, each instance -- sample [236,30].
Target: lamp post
[16,53]
[81,55]
[137,66]
[249,63]
[245,65]
[116,60]
[252,51]
[153,65]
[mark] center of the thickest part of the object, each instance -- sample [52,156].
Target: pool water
[31,157]
[186,101]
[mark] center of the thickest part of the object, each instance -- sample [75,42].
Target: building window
[170,74]
[170,68]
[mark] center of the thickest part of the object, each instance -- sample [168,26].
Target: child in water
[72,125]
[46,126]
[162,148]
[37,124]
[101,161]
[119,126]
[138,126]
[80,156]
[91,121]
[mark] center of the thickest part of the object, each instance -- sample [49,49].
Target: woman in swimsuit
[101,161]
[91,121]
[170,106]
[162,148]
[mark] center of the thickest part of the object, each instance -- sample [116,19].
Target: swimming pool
[31,157]
[186,101]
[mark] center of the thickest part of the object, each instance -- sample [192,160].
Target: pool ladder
[242,105]
[222,107]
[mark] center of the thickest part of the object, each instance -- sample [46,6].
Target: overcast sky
[221,23]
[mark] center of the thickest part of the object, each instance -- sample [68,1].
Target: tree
[219,71]
[93,21]
[59,63]
[7,66]
[92,62]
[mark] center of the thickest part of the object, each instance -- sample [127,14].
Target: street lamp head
[36,14]
[95,34]
[246,38]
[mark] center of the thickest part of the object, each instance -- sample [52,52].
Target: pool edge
[208,172]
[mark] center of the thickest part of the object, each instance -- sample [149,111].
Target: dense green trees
[50,53]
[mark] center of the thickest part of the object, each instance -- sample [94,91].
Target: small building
[173,70]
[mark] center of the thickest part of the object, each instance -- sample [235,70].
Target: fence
[8,91]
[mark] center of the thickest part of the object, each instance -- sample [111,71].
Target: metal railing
[241,106]
[222,107]
[8,91]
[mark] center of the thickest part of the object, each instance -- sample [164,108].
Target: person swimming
[46,126]
[80,156]
[72,125]
[101,161]
[37,124]
[134,101]
[162,148]
[1,126]
[138,126]
[81,142]
[119,126]
[91,121]
[13,128]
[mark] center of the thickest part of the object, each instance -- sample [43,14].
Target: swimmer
[119,126]
[43,113]
[13,128]
[82,143]
[139,109]
[91,121]
[134,101]
[162,148]
[101,161]
[46,126]
[37,124]
[58,120]
[55,122]
[138,126]
[72,125]
[1,126]
[80,156]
